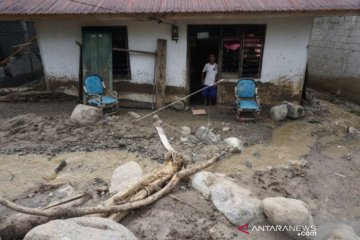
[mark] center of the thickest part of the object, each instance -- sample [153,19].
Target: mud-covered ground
[36,136]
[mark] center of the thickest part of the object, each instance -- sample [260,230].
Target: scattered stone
[225,129]
[235,202]
[288,212]
[84,114]
[64,191]
[295,111]
[279,112]
[352,130]
[185,133]
[134,114]
[234,144]
[178,106]
[206,135]
[342,232]
[81,228]
[298,163]
[125,176]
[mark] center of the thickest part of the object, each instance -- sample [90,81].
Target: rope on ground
[183,98]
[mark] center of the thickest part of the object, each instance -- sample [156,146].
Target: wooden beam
[160,73]
[134,51]
[25,45]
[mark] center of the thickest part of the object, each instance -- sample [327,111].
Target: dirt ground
[36,136]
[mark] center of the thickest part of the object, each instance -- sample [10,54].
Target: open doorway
[200,51]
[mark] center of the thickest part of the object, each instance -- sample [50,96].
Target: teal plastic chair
[246,99]
[95,91]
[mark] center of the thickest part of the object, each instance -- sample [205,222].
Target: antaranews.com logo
[302,230]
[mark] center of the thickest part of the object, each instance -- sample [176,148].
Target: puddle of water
[22,173]
[289,142]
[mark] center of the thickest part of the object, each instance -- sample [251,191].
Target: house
[264,40]
[334,55]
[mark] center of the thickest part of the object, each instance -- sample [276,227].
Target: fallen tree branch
[81,211]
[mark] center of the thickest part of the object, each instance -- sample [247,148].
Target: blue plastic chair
[246,98]
[95,91]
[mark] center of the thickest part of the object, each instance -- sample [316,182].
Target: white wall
[60,54]
[284,58]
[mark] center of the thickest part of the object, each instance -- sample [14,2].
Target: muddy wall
[283,67]
[334,55]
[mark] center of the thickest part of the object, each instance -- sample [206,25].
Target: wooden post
[160,73]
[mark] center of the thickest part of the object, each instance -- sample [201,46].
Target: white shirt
[211,71]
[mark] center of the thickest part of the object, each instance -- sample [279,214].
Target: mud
[35,137]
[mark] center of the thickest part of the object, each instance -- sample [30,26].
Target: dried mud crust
[51,133]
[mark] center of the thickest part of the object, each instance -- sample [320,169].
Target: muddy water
[289,142]
[23,173]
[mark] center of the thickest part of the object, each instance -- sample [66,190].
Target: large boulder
[84,114]
[295,111]
[235,144]
[279,112]
[82,228]
[342,232]
[235,202]
[125,176]
[288,212]
[206,135]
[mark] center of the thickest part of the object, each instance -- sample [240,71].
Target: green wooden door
[97,55]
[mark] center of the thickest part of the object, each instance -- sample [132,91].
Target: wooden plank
[134,51]
[160,73]
[3,62]
[198,111]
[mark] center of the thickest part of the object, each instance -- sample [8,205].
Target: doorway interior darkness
[238,50]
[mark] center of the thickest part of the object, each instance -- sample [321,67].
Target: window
[121,62]
[241,47]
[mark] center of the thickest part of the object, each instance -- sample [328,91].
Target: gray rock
[178,106]
[352,130]
[125,177]
[279,112]
[295,111]
[134,114]
[288,212]
[342,232]
[201,182]
[235,202]
[84,114]
[235,144]
[64,191]
[185,133]
[206,135]
[82,228]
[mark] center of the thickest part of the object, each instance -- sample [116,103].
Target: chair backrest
[246,88]
[94,84]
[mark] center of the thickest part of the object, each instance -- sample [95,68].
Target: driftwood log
[82,211]
[150,188]
[17,225]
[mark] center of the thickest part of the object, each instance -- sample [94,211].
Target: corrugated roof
[31,7]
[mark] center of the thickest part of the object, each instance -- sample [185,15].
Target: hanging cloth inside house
[232,46]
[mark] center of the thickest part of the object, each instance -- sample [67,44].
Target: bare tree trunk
[17,225]
[81,211]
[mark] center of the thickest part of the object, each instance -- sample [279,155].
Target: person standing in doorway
[209,77]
